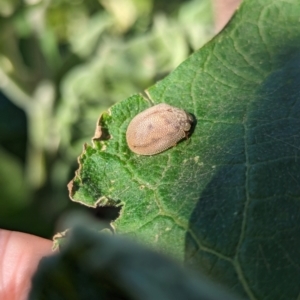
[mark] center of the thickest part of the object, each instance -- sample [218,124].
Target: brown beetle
[158,128]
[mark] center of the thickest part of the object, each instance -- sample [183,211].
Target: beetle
[157,129]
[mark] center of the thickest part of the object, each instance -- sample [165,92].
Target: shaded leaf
[94,266]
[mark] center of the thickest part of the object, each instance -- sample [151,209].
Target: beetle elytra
[157,129]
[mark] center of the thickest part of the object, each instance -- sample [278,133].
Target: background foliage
[63,62]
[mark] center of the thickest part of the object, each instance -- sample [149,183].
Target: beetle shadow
[193,125]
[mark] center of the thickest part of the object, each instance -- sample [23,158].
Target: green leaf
[101,266]
[225,201]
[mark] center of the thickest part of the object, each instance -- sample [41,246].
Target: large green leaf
[226,201]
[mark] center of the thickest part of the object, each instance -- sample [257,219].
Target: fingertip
[20,254]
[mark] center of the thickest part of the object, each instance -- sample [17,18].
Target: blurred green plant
[63,62]
[102,266]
